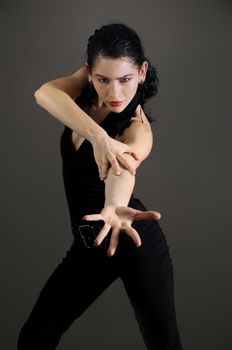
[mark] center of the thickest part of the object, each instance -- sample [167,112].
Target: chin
[117,109]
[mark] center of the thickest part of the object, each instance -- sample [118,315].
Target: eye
[102,80]
[125,80]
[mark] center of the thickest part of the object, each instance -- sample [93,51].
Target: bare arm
[56,97]
[72,84]
[118,190]
[60,105]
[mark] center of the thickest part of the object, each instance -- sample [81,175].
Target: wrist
[112,203]
[116,202]
[97,134]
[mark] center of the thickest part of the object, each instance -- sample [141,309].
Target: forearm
[61,106]
[118,189]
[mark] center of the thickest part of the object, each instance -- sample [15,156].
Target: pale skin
[57,97]
[118,189]
[113,79]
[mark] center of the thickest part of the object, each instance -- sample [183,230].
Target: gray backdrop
[186,176]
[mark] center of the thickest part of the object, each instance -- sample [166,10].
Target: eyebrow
[99,75]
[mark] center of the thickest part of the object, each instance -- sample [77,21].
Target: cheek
[130,90]
[100,89]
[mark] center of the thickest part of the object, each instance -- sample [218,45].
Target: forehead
[114,67]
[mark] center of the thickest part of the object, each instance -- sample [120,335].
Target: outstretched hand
[120,218]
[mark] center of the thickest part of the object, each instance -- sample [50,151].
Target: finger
[146,215]
[134,235]
[113,242]
[102,234]
[135,155]
[103,170]
[94,217]
[126,164]
[151,214]
[115,165]
[132,153]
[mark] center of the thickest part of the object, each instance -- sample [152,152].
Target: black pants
[83,274]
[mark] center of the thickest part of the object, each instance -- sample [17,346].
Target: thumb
[133,154]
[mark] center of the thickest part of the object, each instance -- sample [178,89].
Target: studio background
[186,177]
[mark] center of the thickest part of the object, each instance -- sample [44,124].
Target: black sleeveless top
[85,192]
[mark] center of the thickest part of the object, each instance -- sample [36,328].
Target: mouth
[116,103]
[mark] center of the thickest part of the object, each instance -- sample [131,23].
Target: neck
[99,105]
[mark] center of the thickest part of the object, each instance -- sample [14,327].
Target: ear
[88,71]
[143,70]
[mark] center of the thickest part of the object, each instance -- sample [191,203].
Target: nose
[114,92]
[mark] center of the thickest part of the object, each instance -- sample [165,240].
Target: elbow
[36,95]
[39,93]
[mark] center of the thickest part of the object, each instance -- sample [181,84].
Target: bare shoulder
[139,125]
[139,135]
[141,117]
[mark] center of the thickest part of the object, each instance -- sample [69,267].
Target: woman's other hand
[108,150]
[120,218]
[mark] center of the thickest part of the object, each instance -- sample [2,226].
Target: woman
[106,137]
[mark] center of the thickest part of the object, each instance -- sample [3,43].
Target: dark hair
[118,40]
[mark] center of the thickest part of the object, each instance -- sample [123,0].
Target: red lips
[116,103]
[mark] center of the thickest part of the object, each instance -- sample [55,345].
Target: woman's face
[116,79]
